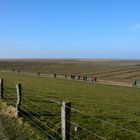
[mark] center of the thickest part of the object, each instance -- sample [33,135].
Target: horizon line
[22,58]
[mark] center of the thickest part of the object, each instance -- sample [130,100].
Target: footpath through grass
[111,112]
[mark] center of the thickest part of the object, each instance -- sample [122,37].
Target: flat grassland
[114,70]
[99,111]
[104,111]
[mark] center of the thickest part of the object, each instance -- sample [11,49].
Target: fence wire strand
[35,123]
[44,124]
[95,118]
[82,113]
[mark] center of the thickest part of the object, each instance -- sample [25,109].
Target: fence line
[35,123]
[131,131]
[95,118]
[101,103]
[42,123]
[38,119]
[23,109]
[102,138]
[89,99]
[74,124]
[94,134]
[106,104]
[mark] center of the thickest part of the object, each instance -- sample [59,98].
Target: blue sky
[70,29]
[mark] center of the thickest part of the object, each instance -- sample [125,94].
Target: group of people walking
[84,78]
[80,77]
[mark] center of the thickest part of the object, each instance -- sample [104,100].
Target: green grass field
[111,112]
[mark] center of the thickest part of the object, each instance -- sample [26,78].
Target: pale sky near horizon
[70,29]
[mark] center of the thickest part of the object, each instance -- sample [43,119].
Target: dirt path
[114,83]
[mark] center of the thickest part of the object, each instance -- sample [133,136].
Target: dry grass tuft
[11,112]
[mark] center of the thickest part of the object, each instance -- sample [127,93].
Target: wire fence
[45,114]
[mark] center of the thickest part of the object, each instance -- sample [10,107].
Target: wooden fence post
[1,88]
[65,120]
[19,99]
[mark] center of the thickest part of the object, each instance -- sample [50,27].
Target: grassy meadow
[111,112]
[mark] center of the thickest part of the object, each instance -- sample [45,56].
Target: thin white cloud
[135,27]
